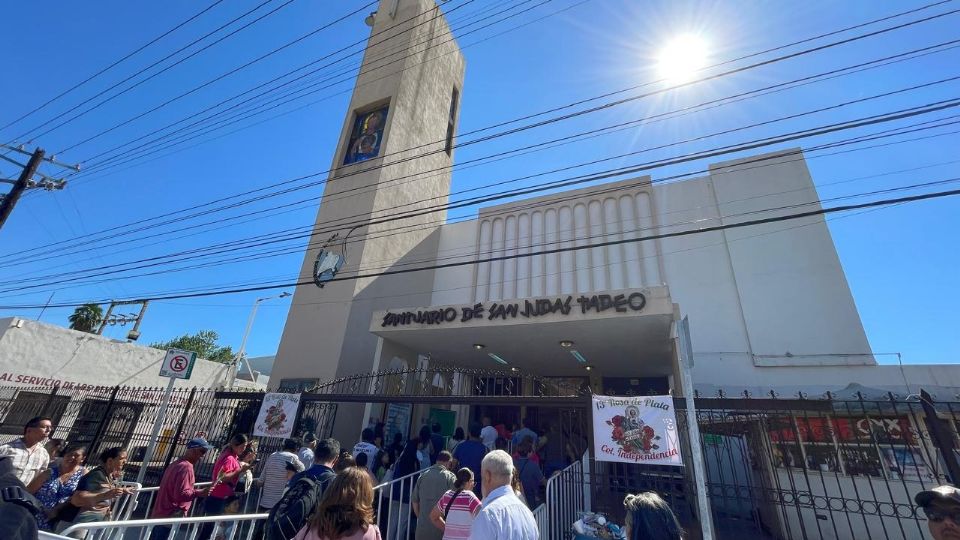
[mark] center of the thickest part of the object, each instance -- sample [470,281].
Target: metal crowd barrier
[565,502]
[124,506]
[540,514]
[235,527]
[394,514]
[151,494]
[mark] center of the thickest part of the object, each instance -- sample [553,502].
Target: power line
[714,170]
[231,246]
[223,75]
[125,158]
[502,182]
[633,98]
[317,174]
[178,62]
[562,169]
[113,65]
[483,160]
[660,236]
[463,203]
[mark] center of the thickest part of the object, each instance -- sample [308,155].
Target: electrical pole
[11,198]
[122,320]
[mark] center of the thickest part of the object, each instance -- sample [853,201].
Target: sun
[682,57]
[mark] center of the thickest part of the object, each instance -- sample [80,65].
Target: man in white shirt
[277,470]
[488,435]
[367,446]
[27,453]
[503,515]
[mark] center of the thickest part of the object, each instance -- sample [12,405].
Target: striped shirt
[274,477]
[460,518]
[27,462]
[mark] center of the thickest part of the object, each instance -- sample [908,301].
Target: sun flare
[682,57]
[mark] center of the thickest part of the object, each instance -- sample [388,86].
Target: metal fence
[800,468]
[567,496]
[840,467]
[105,417]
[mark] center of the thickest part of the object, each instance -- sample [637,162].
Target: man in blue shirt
[524,432]
[470,454]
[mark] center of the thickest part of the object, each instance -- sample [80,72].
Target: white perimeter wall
[37,354]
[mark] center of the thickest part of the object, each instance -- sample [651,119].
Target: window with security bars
[875,446]
[452,120]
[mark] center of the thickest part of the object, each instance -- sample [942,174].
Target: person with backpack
[303,495]
[456,509]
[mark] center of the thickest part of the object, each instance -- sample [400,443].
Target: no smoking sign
[178,364]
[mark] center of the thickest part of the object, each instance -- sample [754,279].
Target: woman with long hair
[458,437]
[95,492]
[456,509]
[54,486]
[425,447]
[345,511]
[649,517]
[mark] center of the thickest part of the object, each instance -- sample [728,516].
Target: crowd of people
[63,490]
[312,489]
[467,488]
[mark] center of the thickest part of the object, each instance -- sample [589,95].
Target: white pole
[241,353]
[693,428]
[154,435]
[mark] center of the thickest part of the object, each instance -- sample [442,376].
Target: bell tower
[393,155]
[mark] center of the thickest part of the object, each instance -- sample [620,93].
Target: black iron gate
[105,417]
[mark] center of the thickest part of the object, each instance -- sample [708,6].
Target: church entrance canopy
[614,333]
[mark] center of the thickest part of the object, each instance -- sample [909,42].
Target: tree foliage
[204,343]
[86,318]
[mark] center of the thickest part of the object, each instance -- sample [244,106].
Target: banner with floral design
[636,429]
[277,415]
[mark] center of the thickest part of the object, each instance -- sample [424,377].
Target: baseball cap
[939,493]
[198,442]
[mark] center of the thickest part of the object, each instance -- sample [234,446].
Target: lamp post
[241,353]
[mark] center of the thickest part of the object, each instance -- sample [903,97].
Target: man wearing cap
[176,492]
[942,507]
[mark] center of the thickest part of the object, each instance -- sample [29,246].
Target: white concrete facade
[38,354]
[769,305]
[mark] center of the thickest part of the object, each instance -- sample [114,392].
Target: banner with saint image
[277,415]
[636,429]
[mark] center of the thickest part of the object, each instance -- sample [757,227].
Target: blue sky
[900,262]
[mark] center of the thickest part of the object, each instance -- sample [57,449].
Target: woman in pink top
[345,511]
[455,511]
[226,474]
